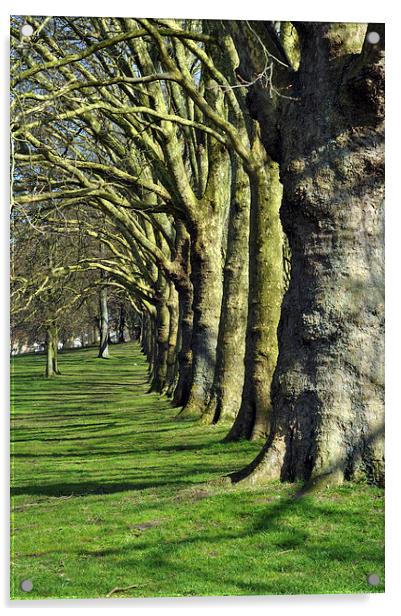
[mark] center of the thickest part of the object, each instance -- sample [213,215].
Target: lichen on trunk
[265,297]
[206,275]
[225,398]
[328,389]
[207,228]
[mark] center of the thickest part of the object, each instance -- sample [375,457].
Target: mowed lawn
[110,497]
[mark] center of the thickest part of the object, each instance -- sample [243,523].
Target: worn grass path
[109,498]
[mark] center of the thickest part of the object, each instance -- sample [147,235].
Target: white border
[339,10]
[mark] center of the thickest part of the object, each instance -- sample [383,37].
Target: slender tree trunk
[52,352]
[172,306]
[104,325]
[264,303]
[208,238]
[121,324]
[206,275]
[49,357]
[328,388]
[181,392]
[225,399]
[162,327]
[180,276]
[144,338]
[148,338]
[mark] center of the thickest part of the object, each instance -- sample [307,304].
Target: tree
[328,390]
[184,148]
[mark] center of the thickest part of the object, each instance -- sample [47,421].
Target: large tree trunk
[328,390]
[104,324]
[264,303]
[208,226]
[228,381]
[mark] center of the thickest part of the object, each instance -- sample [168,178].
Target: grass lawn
[109,498]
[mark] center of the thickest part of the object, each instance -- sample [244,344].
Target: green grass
[109,491]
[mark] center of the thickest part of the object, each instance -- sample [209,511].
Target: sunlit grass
[109,492]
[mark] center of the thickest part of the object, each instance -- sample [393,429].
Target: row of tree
[227,179]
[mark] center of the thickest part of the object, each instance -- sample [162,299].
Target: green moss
[108,491]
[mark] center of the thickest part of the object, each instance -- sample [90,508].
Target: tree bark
[148,337]
[104,325]
[264,303]
[121,324]
[328,390]
[228,380]
[162,327]
[207,260]
[180,276]
[172,305]
[206,276]
[182,389]
[52,352]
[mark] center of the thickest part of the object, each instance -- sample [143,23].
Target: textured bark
[228,381]
[265,297]
[172,306]
[207,234]
[104,325]
[162,327]
[148,338]
[52,352]
[144,336]
[180,276]
[184,357]
[207,279]
[328,390]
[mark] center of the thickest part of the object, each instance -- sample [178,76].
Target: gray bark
[328,390]
[104,324]
[225,398]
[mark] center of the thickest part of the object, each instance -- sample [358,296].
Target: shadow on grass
[288,523]
[90,488]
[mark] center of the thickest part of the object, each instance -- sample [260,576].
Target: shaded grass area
[109,492]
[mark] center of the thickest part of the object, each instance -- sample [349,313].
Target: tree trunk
[328,389]
[52,352]
[206,276]
[225,399]
[181,392]
[162,327]
[208,227]
[180,276]
[145,335]
[172,306]
[264,303]
[148,338]
[104,325]
[121,324]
